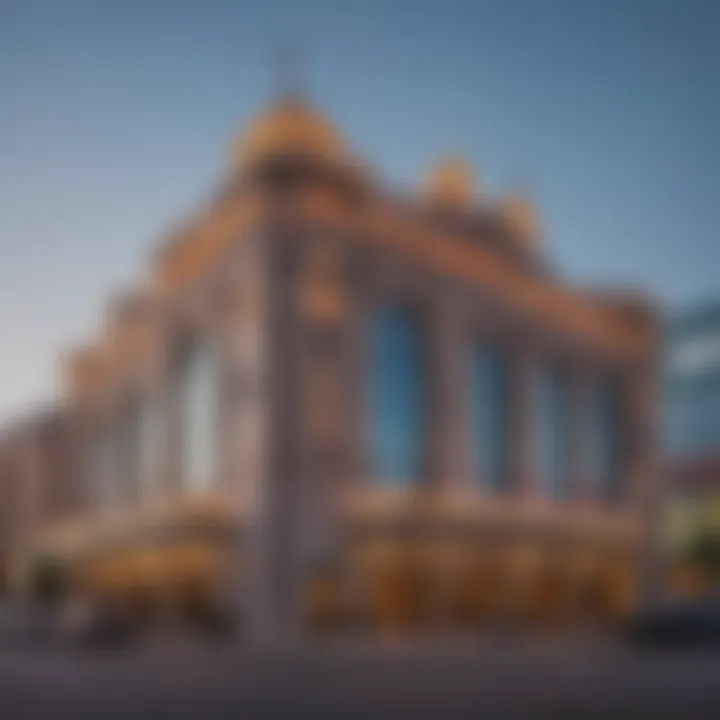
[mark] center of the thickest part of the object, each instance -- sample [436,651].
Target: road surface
[498,679]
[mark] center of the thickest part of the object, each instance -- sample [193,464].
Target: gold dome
[451,183]
[521,218]
[291,127]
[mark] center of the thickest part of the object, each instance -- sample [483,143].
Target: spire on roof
[287,75]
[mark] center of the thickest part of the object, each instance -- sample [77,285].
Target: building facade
[692,397]
[334,404]
[692,380]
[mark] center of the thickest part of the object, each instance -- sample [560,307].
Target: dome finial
[451,184]
[287,63]
[289,126]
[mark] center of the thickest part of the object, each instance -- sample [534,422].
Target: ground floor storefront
[408,574]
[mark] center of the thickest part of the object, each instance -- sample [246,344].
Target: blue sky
[115,118]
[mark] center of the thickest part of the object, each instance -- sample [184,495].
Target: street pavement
[491,679]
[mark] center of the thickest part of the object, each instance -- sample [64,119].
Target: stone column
[448,383]
[272,583]
[448,463]
[645,483]
[324,461]
[580,491]
[247,390]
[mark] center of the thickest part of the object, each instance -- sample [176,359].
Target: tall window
[606,436]
[396,416]
[128,447]
[148,449]
[199,407]
[489,416]
[552,395]
[104,466]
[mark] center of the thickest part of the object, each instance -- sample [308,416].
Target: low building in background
[330,405]
[40,482]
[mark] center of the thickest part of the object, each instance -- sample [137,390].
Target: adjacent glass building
[692,382]
[692,436]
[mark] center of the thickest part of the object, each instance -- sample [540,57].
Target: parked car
[681,623]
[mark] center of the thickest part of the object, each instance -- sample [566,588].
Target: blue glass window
[606,451]
[489,416]
[552,396]
[396,416]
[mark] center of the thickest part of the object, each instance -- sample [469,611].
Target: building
[39,481]
[334,404]
[692,387]
[693,382]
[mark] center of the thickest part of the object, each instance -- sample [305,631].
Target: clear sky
[115,117]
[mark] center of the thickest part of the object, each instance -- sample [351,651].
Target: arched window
[397,405]
[553,450]
[199,406]
[489,398]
